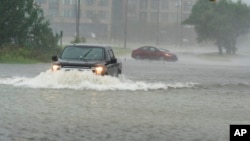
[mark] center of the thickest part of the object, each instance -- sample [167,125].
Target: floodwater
[151,101]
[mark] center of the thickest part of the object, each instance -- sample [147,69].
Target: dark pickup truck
[99,59]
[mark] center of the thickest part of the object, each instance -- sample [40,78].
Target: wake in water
[87,81]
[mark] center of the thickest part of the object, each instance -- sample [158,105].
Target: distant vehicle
[153,53]
[99,59]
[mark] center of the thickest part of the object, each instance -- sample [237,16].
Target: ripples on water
[87,80]
[127,109]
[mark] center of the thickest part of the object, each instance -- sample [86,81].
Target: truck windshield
[82,53]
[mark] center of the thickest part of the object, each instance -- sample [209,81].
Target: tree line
[221,21]
[22,23]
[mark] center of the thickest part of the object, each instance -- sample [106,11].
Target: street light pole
[181,40]
[158,24]
[125,22]
[78,19]
[177,4]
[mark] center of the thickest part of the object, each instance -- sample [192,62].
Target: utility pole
[125,22]
[181,30]
[177,4]
[158,24]
[78,18]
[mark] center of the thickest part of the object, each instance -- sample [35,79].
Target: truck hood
[80,63]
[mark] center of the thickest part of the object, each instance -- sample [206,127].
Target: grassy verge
[120,51]
[217,57]
[16,60]
[16,54]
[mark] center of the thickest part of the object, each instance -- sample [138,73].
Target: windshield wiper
[83,57]
[87,53]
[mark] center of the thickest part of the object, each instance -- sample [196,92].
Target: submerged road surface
[151,101]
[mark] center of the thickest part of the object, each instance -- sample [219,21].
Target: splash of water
[86,81]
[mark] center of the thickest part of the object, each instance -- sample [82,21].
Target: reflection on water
[144,104]
[50,95]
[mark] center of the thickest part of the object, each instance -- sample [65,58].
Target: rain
[197,97]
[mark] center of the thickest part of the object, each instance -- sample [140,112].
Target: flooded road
[151,101]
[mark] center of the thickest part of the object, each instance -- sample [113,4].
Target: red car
[153,53]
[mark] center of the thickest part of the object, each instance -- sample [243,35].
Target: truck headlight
[56,67]
[99,70]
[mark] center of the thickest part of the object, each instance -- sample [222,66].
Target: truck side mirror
[113,60]
[54,58]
